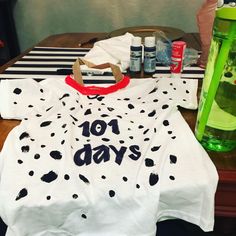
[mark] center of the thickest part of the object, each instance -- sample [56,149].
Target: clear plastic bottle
[149,55]
[216,120]
[136,55]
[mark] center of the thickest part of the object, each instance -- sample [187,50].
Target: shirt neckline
[97,90]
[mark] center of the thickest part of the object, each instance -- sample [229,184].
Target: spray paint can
[177,58]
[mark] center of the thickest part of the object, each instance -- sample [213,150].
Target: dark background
[9,47]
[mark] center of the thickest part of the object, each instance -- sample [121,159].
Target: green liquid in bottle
[218,140]
[216,121]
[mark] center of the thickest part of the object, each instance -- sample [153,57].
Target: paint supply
[216,120]
[136,55]
[177,58]
[149,55]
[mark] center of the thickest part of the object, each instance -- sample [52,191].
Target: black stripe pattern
[46,62]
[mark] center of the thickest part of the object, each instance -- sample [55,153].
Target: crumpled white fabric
[114,50]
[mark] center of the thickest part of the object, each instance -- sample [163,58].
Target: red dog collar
[95,90]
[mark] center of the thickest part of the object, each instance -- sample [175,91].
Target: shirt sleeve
[183,92]
[20,99]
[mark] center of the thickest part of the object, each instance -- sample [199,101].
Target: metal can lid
[180,43]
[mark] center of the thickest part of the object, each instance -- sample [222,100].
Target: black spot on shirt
[110,109]
[151,114]
[130,106]
[165,106]
[173,159]
[145,131]
[36,156]
[155,148]
[153,91]
[49,177]
[56,155]
[84,179]
[64,96]
[45,123]
[165,122]
[112,193]
[106,139]
[48,109]
[125,179]
[23,193]
[172,177]
[153,179]
[104,115]
[66,177]
[17,91]
[84,216]
[75,119]
[149,162]
[24,135]
[87,112]
[25,149]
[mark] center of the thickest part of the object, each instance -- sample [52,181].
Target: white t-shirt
[102,164]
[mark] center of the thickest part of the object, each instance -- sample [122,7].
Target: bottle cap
[149,41]
[136,41]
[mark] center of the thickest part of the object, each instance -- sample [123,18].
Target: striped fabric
[43,63]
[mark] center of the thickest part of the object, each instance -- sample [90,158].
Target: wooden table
[225,205]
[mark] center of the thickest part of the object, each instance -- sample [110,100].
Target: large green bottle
[216,120]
